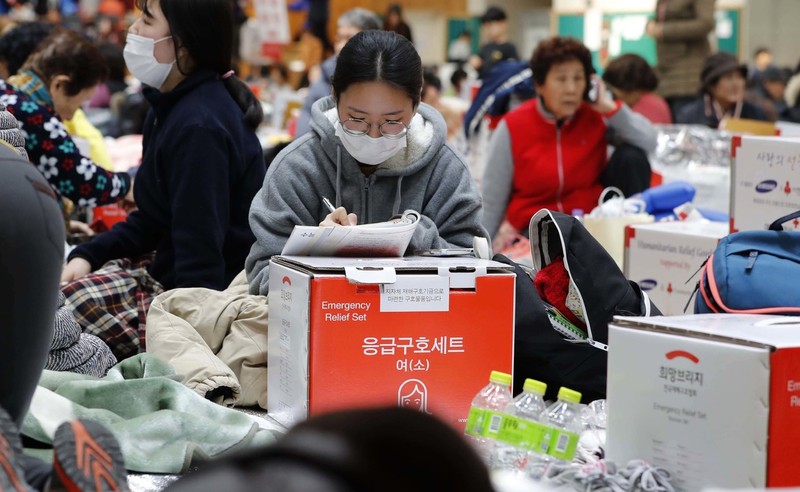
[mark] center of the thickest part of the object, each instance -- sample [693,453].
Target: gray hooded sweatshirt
[427,176]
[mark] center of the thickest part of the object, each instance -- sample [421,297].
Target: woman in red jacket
[552,151]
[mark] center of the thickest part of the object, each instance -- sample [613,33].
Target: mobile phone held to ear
[594,91]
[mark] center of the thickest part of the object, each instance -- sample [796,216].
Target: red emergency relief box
[415,332]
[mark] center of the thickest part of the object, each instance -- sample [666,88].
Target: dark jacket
[494,53]
[700,113]
[201,167]
[684,44]
[540,352]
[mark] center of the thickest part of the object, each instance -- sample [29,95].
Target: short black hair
[760,50]
[386,449]
[379,56]
[115,60]
[17,44]
[459,75]
[631,72]
[431,79]
[493,14]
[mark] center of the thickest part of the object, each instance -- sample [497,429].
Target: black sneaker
[87,458]
[12,478]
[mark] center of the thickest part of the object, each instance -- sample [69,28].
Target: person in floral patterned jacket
[50,86]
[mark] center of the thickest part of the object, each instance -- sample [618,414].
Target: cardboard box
[418,332]
[713,398]
[104,218]
[664,257]
[749,127]
[787,129]
[765,181]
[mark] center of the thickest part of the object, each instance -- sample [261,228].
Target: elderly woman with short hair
[552,151]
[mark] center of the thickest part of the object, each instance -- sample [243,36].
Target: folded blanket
[162,426]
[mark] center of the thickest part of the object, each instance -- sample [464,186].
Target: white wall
[770,23]
[528,21]
[627,5]
[532,26]
[430,34]
[774,24]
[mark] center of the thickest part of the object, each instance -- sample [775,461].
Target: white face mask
[141,60]
[368,150]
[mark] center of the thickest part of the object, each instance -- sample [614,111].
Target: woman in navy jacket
[201,167]
[722,94]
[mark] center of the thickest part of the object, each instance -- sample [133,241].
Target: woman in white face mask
[374,150]
[201,166]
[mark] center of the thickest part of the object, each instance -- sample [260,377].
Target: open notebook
[390,238]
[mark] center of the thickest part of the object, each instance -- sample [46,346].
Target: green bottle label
[559,443]
[521,433]
[484,423]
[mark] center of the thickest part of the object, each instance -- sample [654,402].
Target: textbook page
[389,238]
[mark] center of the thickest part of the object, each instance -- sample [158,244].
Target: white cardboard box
[713,398]
[765,181]
[788,129]
[663,258]
[423,333]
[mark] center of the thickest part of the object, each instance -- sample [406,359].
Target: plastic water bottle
[558,445]
[527,406]
[485,414]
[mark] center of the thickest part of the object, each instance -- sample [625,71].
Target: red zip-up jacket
[556,165]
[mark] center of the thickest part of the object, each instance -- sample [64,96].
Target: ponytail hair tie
[227,74]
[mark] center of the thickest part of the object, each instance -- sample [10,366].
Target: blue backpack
[753,272]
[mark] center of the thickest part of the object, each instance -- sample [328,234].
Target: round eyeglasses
[389,129]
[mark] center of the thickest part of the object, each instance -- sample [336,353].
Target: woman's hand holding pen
[337,216]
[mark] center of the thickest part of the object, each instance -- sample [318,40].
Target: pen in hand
[328,204]
[343,218]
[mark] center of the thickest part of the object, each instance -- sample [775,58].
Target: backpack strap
[778,224]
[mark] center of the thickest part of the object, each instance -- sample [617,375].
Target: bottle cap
[534,386]
[569,395]
[500,378]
